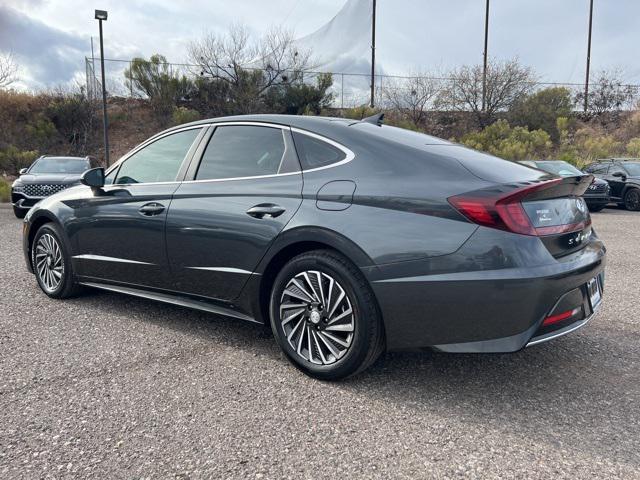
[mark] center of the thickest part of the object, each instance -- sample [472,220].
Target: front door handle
[265,210]
[150,209]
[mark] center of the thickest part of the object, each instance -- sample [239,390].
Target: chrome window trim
[349,155]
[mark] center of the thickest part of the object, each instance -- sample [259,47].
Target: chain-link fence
[348,89]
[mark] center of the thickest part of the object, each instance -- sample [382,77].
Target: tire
[53,271]
[342,343]
[596,208]
[632,199]
[19,212]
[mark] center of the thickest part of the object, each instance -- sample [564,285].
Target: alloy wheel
[317,317]
[632,200]
[48,262]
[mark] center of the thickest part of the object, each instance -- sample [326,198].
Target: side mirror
[23,171]
[93,178]
[619,175]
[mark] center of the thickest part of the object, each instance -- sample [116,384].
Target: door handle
[150,209]
[265,210]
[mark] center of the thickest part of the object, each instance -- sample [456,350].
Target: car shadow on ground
[555,387]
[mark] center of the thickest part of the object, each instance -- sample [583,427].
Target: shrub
[511,143]
[541,109]
[184,115]
[12,159]
[633,147]
[74,117]
[358,113]
[5,190]
[592,146]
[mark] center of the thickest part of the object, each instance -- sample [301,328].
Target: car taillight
[504,211]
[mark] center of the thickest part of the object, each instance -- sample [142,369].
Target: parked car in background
[623,177]
[46,175]
[597,194]
[347,237]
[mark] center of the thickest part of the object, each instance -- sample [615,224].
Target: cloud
[47,55]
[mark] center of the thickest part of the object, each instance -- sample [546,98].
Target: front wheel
[52,264]
[632,199]
[325,317]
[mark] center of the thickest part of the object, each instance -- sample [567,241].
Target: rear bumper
[487,311]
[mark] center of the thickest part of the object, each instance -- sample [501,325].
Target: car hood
[50,178]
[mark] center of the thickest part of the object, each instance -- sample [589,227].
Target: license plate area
[594,289]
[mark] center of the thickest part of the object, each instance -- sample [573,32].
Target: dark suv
[46,176]
[623,176]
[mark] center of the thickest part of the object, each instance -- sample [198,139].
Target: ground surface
[109,386]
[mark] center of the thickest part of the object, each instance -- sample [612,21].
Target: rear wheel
[325,317]
[19,212]
[632,199]
[52,263]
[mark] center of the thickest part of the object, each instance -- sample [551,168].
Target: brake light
[504,211]
[560,317]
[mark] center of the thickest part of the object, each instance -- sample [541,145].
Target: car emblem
[581,205]
[592,187]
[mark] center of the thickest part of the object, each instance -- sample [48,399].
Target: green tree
[301,98]
[510,143]
[540,110]
[155,79]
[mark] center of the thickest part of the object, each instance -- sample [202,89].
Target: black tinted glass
[159,161]
[236,151]
[60,165]
[314,153]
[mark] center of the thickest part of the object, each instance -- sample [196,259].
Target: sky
[50,38]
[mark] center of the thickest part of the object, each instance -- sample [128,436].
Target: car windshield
[60,165]
[633,168]
[563,169]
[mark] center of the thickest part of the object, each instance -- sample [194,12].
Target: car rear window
[400,135]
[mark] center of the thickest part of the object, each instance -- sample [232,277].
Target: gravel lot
[109,386]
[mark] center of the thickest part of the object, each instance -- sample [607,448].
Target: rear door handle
[265,210]
[150,209]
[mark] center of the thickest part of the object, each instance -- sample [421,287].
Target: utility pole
[101,15]
[485,54]
[586,82]
[373,54]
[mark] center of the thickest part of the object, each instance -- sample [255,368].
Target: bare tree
[506,82]
[412,96]
[8,69]
[229,57]
[608,93]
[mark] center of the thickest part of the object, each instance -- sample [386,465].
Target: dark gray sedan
[348,237]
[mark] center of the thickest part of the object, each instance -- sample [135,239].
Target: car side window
[315,153]
[598,169]
[236,151]
[616,169]
[158,161]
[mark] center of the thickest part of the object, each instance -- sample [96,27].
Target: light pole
[373,54]
[586,81]
[485,54]
[100,16]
